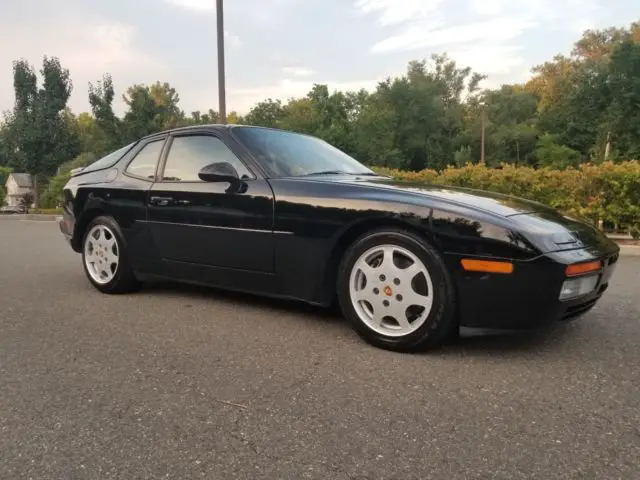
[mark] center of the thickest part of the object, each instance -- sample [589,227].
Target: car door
[126,199]
[194,222]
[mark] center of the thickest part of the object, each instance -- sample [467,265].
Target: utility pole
[607,148]
[483,134]
[221,75]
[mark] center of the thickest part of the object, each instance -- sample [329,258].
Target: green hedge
[46,211]
[607,192]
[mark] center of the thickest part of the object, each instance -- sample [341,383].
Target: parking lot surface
[185,382]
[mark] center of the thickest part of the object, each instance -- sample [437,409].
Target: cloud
[490,39]
[298,71]
[104,47]
[88,48]
[243,99]
[393,12]
[496,30]
[253,12]
[489,7]
[489,59]
[232,40]
[196,5]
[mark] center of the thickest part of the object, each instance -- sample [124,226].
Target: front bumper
[576,307]
[529,298]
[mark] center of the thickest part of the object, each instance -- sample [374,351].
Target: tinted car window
[289,154]
[189,154]
[144,164]
[109,160]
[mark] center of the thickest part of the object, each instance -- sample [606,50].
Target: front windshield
[290,154]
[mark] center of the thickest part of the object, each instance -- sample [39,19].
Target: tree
[4,174]
[92,138]
[423,113]
[25,201]
[586,99]
[266,114]
[40,131]
[233,118]
[598,45]
[549,80]
[152,109]
[53,196]
[550,153]
[622,117]
[511,126]
[299,116]
[6,146]
[105,127]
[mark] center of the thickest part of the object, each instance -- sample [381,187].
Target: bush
[609,191]
[53,195]
[46,211]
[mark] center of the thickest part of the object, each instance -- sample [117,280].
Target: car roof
[206,126]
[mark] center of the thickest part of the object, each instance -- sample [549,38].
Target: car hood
[543,226]
[494,203]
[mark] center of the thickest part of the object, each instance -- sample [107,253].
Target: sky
[280,48]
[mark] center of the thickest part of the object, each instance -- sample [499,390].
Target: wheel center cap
[387,291]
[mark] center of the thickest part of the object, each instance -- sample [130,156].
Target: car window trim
[136,151]
[206,133]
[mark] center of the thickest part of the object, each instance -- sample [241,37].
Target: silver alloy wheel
[391,290]
[101,254]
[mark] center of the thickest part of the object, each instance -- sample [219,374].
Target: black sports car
[288,215]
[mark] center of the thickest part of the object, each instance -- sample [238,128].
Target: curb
[33,217]
[41,217]
[630,250]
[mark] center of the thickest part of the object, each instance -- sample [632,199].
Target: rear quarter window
[110,159]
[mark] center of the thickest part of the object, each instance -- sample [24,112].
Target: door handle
[160,201]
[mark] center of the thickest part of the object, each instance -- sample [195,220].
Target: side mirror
[219,172]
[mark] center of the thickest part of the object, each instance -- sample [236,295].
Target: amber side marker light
[582,268]
[487,266]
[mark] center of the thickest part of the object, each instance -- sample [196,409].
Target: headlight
[576,287]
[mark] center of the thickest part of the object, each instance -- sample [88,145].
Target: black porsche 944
[288,215]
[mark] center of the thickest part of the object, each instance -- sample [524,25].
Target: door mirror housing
[219,172]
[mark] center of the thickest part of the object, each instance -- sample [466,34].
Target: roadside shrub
[608,192]
[46,211]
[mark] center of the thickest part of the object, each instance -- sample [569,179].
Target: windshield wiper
[339,172]
[328,172]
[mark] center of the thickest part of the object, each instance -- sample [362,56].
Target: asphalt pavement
[183,382]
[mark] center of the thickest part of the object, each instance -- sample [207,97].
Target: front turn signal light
[487,266]
[582,268]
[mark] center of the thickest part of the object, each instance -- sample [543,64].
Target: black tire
[440,324]
[124,280]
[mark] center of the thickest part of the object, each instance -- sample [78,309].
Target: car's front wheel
[395,290]
[105,258]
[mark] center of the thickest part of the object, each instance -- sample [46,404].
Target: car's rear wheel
[395,290]
[105,258]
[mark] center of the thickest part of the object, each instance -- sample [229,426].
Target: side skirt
[241,281]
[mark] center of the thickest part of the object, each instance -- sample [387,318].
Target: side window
[189,154]
[144,163]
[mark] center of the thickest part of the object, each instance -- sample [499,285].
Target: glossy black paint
[285,236]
